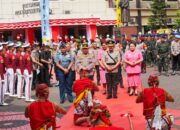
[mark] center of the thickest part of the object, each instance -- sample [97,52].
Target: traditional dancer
[84,89]
[42,113]
[154,109]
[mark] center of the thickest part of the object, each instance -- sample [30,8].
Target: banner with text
[45,26]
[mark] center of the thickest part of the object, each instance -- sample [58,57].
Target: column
[29,34]
[63,31]
[55,32]
[91,31]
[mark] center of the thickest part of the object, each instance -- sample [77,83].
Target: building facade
[70,17]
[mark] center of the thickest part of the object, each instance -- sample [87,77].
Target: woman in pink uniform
[102,68]
[133,59]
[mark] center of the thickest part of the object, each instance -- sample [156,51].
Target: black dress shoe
[122,86]
[109,97]
[115,97]
[130,94]
[62,102]
[71,101]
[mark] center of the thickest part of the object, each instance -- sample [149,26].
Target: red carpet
[124,104]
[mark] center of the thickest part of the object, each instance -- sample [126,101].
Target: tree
[158,17]
[177,21]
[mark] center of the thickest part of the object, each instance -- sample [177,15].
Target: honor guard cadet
[111,61]
[64,62]
[10,66]
[2,72]
[19,70]
[85,61]
[28,72]
[163,53]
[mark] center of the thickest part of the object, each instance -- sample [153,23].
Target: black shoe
[128,89]
[98,83]
[130,94]
[115,96]
[71,101]
[121,86]
[109,97]
[62,102]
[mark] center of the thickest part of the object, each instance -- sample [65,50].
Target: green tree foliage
[177,21]
[158,17]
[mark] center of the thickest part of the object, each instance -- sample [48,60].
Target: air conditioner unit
[67,12]
[132,20]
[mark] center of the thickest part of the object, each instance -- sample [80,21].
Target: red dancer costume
[84,89]
[42,113]
[154,99]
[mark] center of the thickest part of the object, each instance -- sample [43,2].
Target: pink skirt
[102,76]
[134,80]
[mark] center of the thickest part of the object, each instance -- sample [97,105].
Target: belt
[111,63]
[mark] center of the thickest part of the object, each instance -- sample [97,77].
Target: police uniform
[19,72]
[175,51]
[65,79]
[111,59]
[86,61]
[28,73]
[95,51]
[2,72]
[10,66]
[163,51]
[149,52]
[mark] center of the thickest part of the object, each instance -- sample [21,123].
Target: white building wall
[78,9]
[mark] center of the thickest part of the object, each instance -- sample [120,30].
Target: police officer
[124,43]
[111,61]
[85,61]
[149,54]
[45,59]
[163,53]
[10,66]
[64,62]
[175,51]
[54,52]
[94,51]
[28,71]
[36,64]
[19,70]
[2,72]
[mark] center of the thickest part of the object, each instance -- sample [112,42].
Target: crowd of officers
[23,66]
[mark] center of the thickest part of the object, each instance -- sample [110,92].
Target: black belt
[111,63]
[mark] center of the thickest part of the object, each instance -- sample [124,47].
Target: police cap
[85,45]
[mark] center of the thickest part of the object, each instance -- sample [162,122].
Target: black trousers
[112,82]
[120,76]
[44,76]
[98,73]
[176,62]
[73,75]
[35,79]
